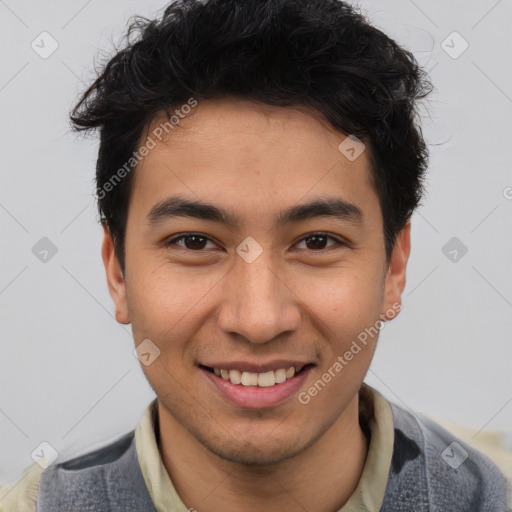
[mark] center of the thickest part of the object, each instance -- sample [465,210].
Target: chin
[251,454]
[253,450]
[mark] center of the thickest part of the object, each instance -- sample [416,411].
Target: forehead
[250,156]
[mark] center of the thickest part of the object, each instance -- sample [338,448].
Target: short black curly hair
[318,54]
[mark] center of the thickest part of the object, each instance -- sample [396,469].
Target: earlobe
[115,279]
[396,274]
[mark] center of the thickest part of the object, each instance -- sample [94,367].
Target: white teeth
[264,380]
[235,376]
[280,375]
[248,378]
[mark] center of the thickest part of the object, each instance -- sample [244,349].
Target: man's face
[210,302]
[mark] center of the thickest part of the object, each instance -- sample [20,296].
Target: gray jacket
[431,471]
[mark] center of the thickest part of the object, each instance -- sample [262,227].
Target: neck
[320,478]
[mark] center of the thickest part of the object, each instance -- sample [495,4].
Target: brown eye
[195,242]
[192,241]
[318,241]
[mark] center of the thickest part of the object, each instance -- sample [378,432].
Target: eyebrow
[177,206]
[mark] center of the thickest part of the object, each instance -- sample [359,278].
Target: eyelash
[173,241]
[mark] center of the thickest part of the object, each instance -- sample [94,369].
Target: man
[258,168]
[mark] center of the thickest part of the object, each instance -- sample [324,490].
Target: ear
[395,277]
[115,279]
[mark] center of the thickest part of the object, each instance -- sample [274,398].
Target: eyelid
[171,241]
[340,241]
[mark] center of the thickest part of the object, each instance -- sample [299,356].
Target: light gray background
[67,372]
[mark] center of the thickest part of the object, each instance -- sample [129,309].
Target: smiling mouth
[253,379]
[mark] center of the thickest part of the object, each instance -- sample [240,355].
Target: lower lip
[254,397]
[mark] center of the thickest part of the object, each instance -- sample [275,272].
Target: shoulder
[22,496]
[99,457]
[445,472]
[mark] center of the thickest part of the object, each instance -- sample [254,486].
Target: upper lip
[246,366]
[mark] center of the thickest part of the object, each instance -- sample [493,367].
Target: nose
[258,302]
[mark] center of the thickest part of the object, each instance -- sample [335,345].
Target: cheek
[164,307]
[162,300]
[344,300]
